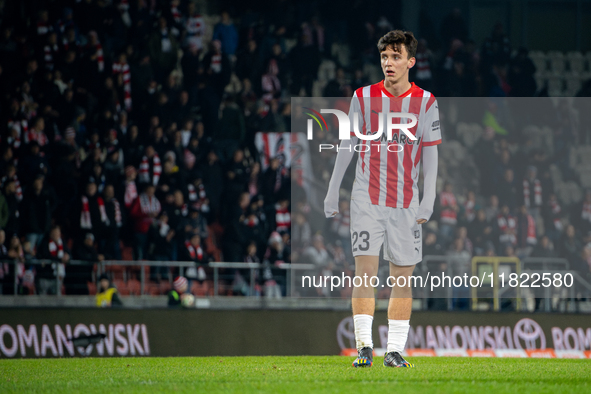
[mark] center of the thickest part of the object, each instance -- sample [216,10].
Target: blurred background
[143,140]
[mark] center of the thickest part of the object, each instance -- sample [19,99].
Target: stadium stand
[135,122]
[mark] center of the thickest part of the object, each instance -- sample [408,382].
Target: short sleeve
[431,126]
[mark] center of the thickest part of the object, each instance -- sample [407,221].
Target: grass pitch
[293,375]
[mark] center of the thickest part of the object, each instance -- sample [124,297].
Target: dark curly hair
[395,38]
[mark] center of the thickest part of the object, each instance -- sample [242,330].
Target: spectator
[5,270]
[130,186]
[160,245]
[506,228]
[248,63]
[192,251]
[585,213]
[316,253]
[301,231]
[544,248]
[470,207]
[570,246]
[150,167]
[275,255]
[163,48]
[107,295]
[273,181]
[481,231]
[93,215]
[111,247]
[143,211]
[194,27]
[52,248]
[431,247]
[79,275]
[508,190]
[217,69]
[37,207]
[492,210]
[12,223]
[526,233]
[226,32]
[532,191]
[449,213]
[552,217]
[180,288]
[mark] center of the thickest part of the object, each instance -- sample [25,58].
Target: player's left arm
[431,138]
[429,157]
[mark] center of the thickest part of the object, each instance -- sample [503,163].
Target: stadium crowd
[127,132]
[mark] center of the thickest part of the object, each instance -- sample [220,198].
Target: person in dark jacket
[92,215]
[111,247]
[78,275]
[160,236]
[37,206]
[54,249]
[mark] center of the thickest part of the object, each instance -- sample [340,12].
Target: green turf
[293,374]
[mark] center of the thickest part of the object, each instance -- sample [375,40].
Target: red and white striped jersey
[385,176]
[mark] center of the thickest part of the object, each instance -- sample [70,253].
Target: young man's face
[395,63]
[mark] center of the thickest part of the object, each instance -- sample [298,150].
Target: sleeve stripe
[431,143]
[429,103]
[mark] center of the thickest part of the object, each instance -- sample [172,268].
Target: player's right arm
[345,153]
[344,156]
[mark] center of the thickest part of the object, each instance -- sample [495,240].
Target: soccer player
[385,207]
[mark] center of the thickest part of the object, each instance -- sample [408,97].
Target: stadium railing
[140,265]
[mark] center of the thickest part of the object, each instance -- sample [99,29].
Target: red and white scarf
[49,51]
[506,224]
[282,218]
[85,221]
[531,231]
[149,204]
[537,193]
[118,218]
[130,193]
[145,170]
[43,28]
[100,56]
[34,135]
[176,14]
[196,253]
[555,207]
[123,68]
[56,249]
[448,215]
[192,193]
[21,126]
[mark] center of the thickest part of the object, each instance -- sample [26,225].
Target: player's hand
[331,206]
[421,221]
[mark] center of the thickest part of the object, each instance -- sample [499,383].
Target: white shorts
[396,228]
